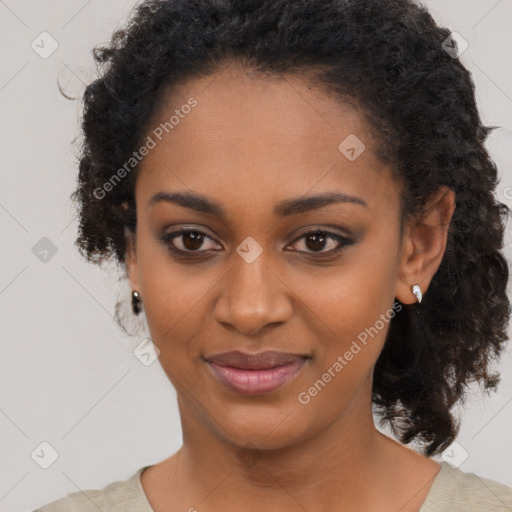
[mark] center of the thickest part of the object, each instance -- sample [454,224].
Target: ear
[424,244]
[131,258]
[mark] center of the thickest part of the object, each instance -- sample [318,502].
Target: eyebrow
[285,208]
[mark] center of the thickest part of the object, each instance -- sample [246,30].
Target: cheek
[174,315]
[353,308]
[358,325]
[170,292]
[178,306]
[349,302]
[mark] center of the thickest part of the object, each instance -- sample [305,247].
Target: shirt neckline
[135,489]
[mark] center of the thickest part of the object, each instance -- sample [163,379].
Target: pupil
[318,241]
[194,238]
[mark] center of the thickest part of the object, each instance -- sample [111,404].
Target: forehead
[247,135]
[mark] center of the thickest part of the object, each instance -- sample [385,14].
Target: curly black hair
[387,57]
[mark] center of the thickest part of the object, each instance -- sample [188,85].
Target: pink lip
[253,374]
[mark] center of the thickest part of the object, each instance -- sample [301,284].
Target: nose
[253,297]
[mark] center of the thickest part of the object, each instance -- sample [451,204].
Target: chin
[262,427]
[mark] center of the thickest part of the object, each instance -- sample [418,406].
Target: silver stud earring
[417,292]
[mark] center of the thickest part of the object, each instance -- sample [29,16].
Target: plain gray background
[68,375]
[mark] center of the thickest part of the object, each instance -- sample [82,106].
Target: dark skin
[250,143]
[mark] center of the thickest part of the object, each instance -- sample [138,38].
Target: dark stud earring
[136,302]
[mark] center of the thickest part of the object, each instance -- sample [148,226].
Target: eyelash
[167,239]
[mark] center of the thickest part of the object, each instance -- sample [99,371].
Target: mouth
[254,374]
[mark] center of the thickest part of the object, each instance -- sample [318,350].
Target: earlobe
[409,269]
[424,245]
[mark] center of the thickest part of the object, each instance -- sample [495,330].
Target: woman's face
[256,275]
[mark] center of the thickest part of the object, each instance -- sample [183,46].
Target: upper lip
[259,361]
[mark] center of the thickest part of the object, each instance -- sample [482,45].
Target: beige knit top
[452,491]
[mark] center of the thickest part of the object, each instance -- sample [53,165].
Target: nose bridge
[253,295]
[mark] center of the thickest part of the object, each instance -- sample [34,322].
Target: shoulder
[456,491]
[112,498]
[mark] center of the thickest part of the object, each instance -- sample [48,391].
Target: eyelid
[343,241]
[167,238]
[325,228]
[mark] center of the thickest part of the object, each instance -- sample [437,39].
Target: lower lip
[255,382]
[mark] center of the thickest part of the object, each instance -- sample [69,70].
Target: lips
[261,361]
[253,374]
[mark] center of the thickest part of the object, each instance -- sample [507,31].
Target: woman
[301,197]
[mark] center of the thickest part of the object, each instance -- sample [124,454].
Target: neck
[349,460]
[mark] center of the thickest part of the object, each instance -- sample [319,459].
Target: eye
[194,242]
[187,241]
[317,240]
